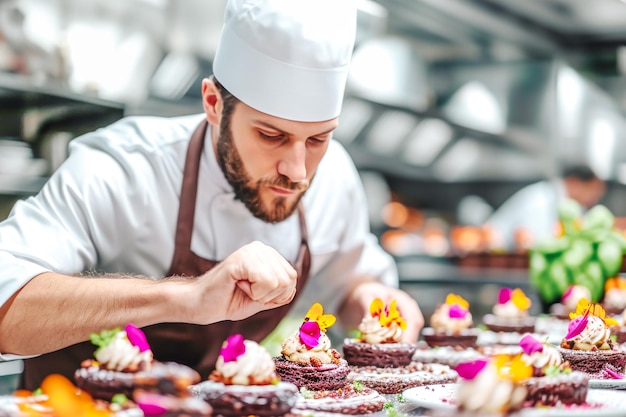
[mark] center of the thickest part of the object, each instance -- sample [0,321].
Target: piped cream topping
[509,310]
[121,355]
[373,332]
[254,367]
[549,356]
[595,334]
[443,323]
[295,351]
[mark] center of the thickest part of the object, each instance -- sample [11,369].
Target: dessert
[510,313]
[451,324]
[445,355]
[493,385]
[245,382]
[379,342]
[307,359]
[614,300]
[569,300]
[553,381]
[124,362]
[352,399]
[587,346]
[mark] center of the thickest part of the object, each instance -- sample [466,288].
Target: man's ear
[212,101]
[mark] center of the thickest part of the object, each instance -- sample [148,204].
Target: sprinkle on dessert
[315,323]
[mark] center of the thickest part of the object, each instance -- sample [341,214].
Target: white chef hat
[287,58]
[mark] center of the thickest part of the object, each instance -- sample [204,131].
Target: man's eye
[271,137]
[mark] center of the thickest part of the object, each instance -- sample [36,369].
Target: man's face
[269,161]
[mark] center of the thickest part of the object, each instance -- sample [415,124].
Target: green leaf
[578,253]
[119,399]
[569,210]
[306,393]
[358,386]
[551,246]
[598,217]
[610,256]
[105,337]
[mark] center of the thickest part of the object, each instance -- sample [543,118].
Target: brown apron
[193,345]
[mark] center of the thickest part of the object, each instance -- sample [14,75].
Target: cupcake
[379,342]
[510,313]
[124,362]
[245,382]
[553,381]
[587,346]
[451,324]
[307,359]
[481,380]
[569,300]
[614,300]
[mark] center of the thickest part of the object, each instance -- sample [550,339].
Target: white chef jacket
[534,207]
[112,206]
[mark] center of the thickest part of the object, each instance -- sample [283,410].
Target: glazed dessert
[245,382]
[396,380]
[124,362]
[379,342]
[493,385]
[451,324]
[553,381]
[510,313]
[307,359]
[614,300]
[352,399]
[587,346]
[569,300]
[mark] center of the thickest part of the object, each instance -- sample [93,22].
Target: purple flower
[613,374]
[152,404]
[577,325]
[469,370]
[530,345]
[504,295]
[310,334]
[457,312]
[137,337]
[233,348]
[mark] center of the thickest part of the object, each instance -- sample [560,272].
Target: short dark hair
[229,100]
[579,171]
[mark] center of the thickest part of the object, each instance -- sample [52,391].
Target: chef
[201,226]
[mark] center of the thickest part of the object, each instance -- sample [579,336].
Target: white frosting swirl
[443,323]
[615,298]
[594,334]
[489,394]
[509,310]
[295,351]
[254,367]
[574,294]
[373,332]
[120,355]
[549,356]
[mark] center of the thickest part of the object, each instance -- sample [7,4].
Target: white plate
[608,383]
[441,397]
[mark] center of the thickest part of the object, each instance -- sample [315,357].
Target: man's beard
[235,173]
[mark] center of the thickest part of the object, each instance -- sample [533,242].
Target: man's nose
[293,163]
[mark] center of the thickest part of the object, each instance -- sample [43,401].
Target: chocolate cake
[567,388]
[445,355]
[465,338]
[504,324]
[245,400]
[163,377]
[171,406]
[347,400]
[396,380]
[381,354]
[323,377]
[592,362]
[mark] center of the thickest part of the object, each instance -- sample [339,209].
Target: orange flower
[594,309]
[316,313]
[512,367]
[386,314]
[618,283]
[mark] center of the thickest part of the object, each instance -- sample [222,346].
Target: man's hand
[252,279]
[357,304]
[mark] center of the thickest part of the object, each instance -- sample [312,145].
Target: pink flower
[233,348]
[612,374]
[505,295]
[577,325]
[530,345]
[469,370]
[457,312]
[152,404]
[136,337]
[310,334]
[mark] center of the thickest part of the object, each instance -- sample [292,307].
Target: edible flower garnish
[151,404]
[530,345]
[315,322]
[233,348]
[516,296]
[612,373]
[584,308]
[615,283]
[387,314]
[513,368]
[577,325]
[469,370]
[137,337]
[459,307]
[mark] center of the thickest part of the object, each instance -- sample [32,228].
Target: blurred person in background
[201,226]
[531,213]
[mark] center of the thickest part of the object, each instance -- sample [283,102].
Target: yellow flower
[457,299]
[316,313]
[386,314]
[520,300]
[594,309]
[512,367]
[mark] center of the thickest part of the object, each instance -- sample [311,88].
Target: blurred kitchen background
[452,106]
